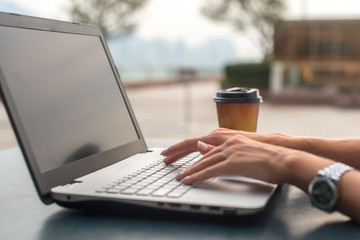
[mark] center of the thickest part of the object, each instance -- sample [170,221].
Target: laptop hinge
[147,151]
[72,183]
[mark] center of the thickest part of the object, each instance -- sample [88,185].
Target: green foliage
[112,16]
[259,15]
[247,75]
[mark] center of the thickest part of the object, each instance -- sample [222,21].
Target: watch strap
[334,171]
[323,189]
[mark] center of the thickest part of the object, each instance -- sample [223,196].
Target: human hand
[202,144]
[239,155]
[207,142]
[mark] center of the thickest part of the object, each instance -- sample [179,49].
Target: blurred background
[174,55]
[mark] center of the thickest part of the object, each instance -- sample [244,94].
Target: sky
[182,20]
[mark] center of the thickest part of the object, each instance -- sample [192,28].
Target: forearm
[349,195]
[343,150]
[301,169]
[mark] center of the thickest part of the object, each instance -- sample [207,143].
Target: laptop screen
[65,93]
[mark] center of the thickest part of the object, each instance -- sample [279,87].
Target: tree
[114,17]
[261,15]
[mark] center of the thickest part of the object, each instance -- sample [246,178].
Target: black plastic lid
[238,95]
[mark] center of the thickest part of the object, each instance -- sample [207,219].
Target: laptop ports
[195,207]
[213,208]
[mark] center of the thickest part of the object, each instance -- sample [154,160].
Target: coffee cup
[238,108]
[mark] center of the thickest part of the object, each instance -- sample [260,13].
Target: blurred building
[319,53]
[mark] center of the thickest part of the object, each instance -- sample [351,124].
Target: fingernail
[186,180]
[163,152]
[202,146]
[180,176]
[165,160]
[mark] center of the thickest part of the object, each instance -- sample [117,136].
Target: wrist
[284,164]
[290,162]
[300,168]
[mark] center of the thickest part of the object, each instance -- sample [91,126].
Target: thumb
[204,148]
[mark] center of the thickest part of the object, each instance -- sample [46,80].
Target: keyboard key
[119,188]
[147,181]
[129,191]
[156,179]
[175,194]
[138,186]
[155,185]
[173,183]
[163,180]
[160,192]
[183,187]
[112,191]
[145,192]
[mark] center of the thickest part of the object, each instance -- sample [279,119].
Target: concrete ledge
[350,100]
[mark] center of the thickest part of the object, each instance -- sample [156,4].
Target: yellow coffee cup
[238,108]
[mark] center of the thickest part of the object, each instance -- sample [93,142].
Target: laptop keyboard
[156,179]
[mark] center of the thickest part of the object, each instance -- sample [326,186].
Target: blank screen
[65,93]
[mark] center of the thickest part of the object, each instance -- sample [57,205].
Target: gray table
[289,216]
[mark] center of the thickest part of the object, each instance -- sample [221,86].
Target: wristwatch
[323,189]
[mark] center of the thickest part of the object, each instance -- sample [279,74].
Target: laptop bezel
[67,173]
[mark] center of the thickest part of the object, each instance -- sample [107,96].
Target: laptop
[78,133]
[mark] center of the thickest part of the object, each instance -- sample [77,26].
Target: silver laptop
[79,135]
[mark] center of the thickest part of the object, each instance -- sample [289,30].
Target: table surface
[288,216]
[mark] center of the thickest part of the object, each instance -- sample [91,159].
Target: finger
[185,145]
[210,172]
[200,165]
[177,156]
[214,138]
[211,150]
[204,148]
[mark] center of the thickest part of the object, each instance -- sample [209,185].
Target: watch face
[322,192]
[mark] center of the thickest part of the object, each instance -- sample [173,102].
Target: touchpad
[237,184]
